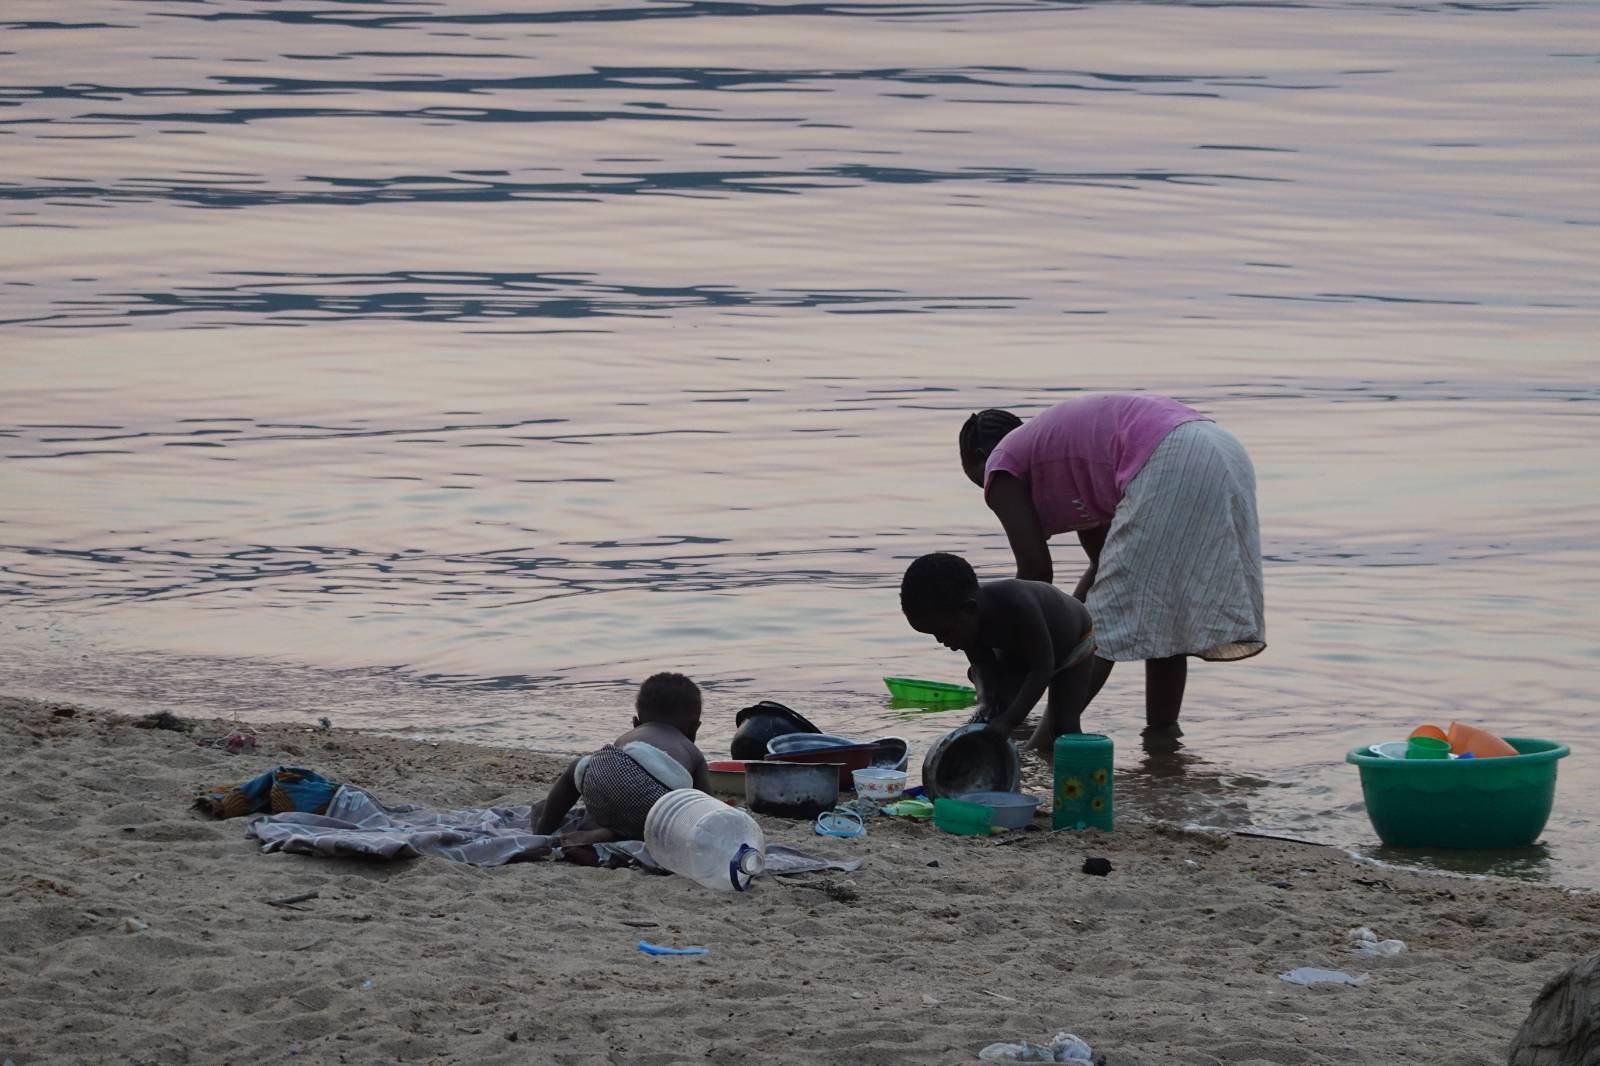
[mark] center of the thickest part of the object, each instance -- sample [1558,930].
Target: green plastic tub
[962,818]
[915,693]
[1461,803]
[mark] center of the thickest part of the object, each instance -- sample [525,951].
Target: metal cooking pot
[791,789]
[970,760]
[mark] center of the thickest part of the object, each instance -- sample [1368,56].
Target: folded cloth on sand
[287,788]
[620,785]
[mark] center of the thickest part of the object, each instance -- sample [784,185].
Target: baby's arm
[581,837]
[563,794]
[701,772]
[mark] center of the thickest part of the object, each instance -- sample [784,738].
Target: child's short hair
[981,432]
[937,582]
[667,698]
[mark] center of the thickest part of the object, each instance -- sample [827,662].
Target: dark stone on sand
[934,864]
[1096,866]
[164,720]
[1563,1028]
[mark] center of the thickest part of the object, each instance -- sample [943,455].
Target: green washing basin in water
[917,693]
[1461,803]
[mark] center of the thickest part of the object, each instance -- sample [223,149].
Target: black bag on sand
[759,723]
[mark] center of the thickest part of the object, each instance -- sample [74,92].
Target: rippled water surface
[448,367]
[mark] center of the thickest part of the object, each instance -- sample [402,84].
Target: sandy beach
[935,948]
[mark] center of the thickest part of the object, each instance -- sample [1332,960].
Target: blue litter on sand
[842,821]
[656,949]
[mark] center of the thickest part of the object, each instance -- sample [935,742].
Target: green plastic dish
[915,808]
[1461,803]
[917,693]
[962,818]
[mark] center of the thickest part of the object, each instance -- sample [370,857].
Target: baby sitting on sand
[621,782]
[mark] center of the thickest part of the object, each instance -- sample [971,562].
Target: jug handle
[734,869]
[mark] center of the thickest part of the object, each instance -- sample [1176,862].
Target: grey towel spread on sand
[356,825]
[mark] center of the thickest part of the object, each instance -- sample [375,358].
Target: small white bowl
[880,784]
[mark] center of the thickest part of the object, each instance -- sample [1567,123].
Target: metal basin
[1012,810]
[970,760]
[890,753]
[793,742]
[791,789]
[847,759]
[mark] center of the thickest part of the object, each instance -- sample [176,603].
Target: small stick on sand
[1277,836]
[288,901]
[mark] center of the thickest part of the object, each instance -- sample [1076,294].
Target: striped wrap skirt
[1180,572]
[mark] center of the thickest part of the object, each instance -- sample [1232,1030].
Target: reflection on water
[1187,789]
[1528,864]
[449,370]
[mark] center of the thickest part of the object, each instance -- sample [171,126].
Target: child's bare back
[1022,638]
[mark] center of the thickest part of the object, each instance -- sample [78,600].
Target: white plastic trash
[704,839]
[1312,975]
[1367,942]
[1065,1047]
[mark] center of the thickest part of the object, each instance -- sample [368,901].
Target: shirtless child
[621,782]
[1023,639]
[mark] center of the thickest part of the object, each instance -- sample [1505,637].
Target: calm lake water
[448,368]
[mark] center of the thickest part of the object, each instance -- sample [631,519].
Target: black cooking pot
[761,722]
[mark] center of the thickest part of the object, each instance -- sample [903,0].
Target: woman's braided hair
[981,432]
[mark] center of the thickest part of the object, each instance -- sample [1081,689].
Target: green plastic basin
[962,818]
[1461,803]
[919,693]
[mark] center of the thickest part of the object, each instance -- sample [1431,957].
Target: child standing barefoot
[1023,639]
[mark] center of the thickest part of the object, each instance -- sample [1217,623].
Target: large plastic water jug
[1083,782]
[701,837]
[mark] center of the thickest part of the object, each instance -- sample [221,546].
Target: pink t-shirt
[1077,457]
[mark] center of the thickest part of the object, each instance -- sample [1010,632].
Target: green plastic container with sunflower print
[1083,782]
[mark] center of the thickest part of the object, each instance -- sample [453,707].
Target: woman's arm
[1008,499]
[1092,539]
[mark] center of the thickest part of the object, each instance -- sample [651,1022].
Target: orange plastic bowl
[727,777]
